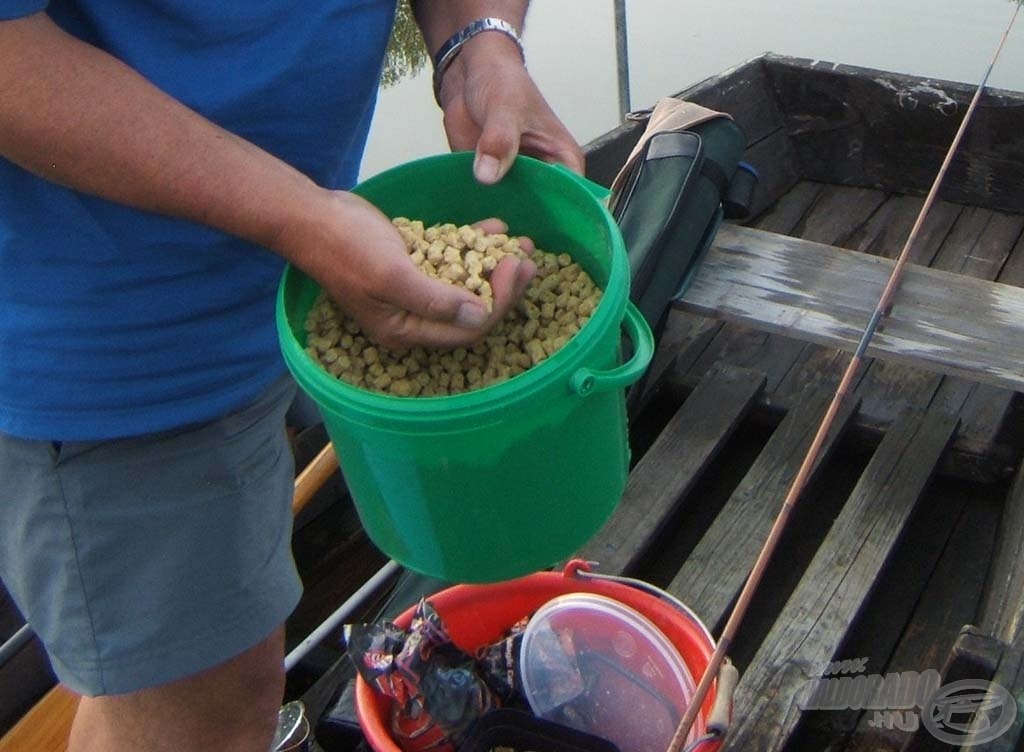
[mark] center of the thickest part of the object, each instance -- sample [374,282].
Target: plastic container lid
[597,665]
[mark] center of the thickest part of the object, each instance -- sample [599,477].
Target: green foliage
[407,52]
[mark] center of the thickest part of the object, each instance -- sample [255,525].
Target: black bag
[669,206]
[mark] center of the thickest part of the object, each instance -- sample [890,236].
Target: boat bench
[941,321]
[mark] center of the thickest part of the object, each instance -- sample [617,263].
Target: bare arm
[490,102]
[75,115]
[78,116]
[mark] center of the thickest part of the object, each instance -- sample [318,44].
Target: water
[570,49]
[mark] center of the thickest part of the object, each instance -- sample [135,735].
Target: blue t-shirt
[115,322]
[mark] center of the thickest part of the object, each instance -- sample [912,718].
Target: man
[161,160]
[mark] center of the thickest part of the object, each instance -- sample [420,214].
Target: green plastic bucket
[503,481]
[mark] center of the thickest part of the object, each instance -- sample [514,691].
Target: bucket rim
[370,707]
[340,395]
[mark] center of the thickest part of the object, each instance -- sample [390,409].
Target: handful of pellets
[558,302]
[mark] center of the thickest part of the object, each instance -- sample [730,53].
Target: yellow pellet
[556,304]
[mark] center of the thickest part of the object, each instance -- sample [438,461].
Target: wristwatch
[453,45]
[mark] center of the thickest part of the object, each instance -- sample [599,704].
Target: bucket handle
[586,381]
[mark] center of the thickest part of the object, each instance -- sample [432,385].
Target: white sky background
[570,48]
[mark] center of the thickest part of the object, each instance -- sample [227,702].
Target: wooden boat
[904,555]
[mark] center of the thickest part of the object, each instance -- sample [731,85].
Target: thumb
[433,300]
[497,146]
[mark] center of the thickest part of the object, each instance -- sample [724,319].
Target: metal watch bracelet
[453,45]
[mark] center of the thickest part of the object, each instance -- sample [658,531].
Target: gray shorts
[144,560]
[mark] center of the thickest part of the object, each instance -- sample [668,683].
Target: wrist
[301,227]
[485,37]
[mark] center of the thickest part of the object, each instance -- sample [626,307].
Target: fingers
[430,312]
[492,226]
[436,314]
[498,144]
[570,155]
[509,281]
[553,143]
[501,139]
[495,226]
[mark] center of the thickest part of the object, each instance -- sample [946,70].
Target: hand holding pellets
[556,304]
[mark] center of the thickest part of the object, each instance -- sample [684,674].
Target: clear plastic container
[594,664]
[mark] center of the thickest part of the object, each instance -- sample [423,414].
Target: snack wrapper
[498,664]
[438,689]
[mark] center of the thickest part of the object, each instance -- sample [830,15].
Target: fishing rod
[842,392]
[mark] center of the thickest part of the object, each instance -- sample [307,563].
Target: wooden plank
[1009,675]
[849,126]
[888,613]
[819,365]
[829,214]
[838,213]
[787,214]
[676,460]
[835,218]
[886,388]
[984,408]
[739,345]
[974,655]
[1002,611]
[839,580]
[825,295]
[684,340]
[886,232]
[714,573]
[946,598]
[45,727]
[949,600]
[956,239]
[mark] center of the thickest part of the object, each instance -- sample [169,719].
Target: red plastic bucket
[477,615]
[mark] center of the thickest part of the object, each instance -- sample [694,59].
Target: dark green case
[670,206]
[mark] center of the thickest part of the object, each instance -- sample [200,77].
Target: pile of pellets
[557,303]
